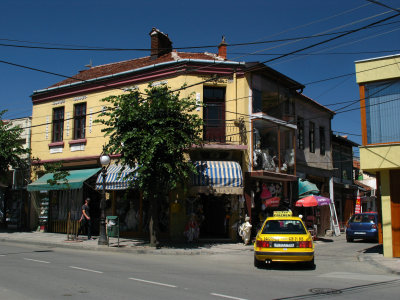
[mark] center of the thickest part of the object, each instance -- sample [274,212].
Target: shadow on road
[375,249]
[320,239]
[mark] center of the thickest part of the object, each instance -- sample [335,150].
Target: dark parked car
[362,226]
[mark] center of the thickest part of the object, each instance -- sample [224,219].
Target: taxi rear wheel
[311,264]
[258,264]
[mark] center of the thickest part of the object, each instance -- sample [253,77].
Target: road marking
[357,276]
[2,255]
[226,296]
[88,270]
[39,261]
[153,282]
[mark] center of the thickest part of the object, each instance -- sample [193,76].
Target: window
[300,132]
[214,114]
[312,137]
[322,140]
[257,101]
[58,124]
[79,121]
[284,227]
[382,111]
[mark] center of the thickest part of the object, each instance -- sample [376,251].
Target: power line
[319,53]
[95,48]
[333,38]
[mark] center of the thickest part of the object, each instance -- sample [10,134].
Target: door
[395,210]
[215,223]
[214,114]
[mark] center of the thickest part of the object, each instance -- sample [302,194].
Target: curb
[130,249]
[374,262]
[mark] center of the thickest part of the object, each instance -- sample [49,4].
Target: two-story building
[63,130]
[379,84]
[247,164]
[314,163]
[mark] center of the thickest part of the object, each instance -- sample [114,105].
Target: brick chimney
[160,43]
[222,48]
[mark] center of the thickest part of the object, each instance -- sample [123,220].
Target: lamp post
[104,161]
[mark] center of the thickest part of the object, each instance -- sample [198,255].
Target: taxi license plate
[359,233]
[284,245]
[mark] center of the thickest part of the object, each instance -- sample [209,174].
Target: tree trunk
[153,224]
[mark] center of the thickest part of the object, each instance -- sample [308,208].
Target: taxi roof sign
[283,213]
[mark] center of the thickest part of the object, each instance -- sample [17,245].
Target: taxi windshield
[284,227]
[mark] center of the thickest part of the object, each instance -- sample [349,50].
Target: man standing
[85,220]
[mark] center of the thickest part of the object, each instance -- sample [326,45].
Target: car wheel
[349,240]
[311,264]
[258,264]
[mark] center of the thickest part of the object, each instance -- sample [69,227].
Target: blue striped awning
[115,179]
[221,177]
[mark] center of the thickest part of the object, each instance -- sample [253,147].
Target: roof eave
[134,71]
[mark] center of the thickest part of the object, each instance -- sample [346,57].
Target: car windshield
[284,227]
[363,218]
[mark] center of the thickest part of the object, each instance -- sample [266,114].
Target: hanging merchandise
[265,194]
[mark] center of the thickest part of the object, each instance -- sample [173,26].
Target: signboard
[358,203]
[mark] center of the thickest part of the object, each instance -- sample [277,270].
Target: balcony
[230,133]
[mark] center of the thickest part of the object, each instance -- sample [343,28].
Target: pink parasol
[313,200]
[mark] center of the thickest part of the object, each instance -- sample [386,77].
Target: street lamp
[104,161]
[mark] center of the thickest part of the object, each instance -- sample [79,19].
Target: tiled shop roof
[129,65]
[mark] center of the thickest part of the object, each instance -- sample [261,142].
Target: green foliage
[12,153]
[153,131]
[59,175]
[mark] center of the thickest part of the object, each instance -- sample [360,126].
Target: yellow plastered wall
[374,158]
[386,214]
[237,102]
[381,68]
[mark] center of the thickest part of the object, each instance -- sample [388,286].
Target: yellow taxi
[283,238]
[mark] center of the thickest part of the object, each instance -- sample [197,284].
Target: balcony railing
[232,133]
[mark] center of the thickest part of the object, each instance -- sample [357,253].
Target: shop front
[57,205]
[126,202]
[271,183]
[215,199]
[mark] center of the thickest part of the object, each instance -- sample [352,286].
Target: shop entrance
[215,223]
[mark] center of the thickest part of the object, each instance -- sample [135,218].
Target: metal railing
[232,133]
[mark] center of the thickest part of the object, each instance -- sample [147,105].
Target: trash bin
[112,228]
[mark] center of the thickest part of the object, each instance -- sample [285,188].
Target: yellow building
[379,83]
[248,133]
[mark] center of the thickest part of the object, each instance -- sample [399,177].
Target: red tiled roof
[366,187]
[128,65]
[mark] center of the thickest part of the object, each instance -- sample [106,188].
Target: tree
[12,153]
[153,132]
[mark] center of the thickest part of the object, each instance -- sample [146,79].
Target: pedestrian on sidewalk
[85,221]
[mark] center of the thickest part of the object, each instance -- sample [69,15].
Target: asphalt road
[33,272]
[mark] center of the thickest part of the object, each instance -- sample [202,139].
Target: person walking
[85,221]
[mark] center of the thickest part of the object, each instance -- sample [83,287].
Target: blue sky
[126,24]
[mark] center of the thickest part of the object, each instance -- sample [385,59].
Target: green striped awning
[75,180]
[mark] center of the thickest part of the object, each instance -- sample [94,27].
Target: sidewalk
[371,255]
[131,245]
[374,256]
